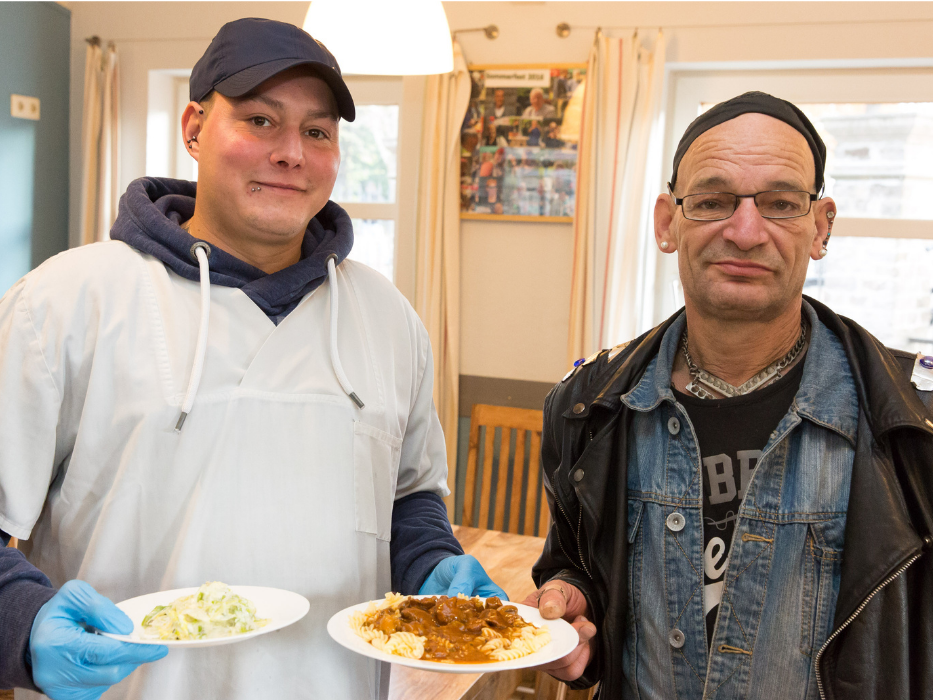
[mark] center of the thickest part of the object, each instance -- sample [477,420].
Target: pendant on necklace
[711,381]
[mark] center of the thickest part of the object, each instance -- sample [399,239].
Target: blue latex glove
[70,663]
[461,574]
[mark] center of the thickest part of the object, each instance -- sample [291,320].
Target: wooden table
[507,559]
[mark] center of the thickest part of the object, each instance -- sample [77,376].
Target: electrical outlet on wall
[23,107]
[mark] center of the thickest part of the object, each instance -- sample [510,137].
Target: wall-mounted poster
[518,142]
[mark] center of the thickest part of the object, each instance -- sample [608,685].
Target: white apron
[277,478]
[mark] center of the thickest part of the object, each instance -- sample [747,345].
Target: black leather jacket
[881,646]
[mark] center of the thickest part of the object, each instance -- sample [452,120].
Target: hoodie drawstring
[334,355]
[201,251]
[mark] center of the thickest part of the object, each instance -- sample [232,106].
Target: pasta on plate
[448,630]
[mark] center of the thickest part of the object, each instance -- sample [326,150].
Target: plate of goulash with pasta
[452,635]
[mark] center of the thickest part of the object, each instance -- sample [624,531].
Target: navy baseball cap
[247,52]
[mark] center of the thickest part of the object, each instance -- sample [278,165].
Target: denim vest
[783,573]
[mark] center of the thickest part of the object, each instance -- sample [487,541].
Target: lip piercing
[255,189]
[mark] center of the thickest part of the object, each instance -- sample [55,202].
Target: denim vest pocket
[635,509]
[821,569]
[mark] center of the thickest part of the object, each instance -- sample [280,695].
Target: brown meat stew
[453,626]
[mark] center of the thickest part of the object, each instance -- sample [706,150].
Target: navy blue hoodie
[149,219]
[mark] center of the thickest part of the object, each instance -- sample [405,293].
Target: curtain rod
[491,31]
[565,27]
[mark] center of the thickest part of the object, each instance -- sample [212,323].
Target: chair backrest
[517,502]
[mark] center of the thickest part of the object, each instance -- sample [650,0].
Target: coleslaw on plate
[214,611]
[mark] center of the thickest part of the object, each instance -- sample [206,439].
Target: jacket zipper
[579,525]
[902,569]
[569,522]
[579,548]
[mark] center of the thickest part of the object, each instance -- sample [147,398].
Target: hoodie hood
[149,219]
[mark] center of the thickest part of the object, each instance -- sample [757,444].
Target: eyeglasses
[773,204]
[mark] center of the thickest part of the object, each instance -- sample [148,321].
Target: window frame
[407,93]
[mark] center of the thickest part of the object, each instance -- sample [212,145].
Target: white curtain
[437,266]
[618,179]
[100,135]
[628,251]
[581,336]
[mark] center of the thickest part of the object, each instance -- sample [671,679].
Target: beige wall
[515,277]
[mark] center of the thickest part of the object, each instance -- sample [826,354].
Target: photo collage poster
[518,142]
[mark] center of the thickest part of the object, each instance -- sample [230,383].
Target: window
[878,128]
[879,157]
[879,166]
[367,182]
[166,155]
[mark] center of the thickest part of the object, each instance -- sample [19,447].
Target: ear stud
[664,244]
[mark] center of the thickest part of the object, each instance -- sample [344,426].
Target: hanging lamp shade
[383,37]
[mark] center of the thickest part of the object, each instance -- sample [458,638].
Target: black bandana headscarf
[759,103]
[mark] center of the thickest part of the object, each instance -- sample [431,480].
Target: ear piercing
[830,215]
[200,111]
[255,189]
[193,138]
[664,244]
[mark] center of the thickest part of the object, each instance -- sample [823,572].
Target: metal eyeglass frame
[679,201]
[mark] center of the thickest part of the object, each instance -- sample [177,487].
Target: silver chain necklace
[701,378]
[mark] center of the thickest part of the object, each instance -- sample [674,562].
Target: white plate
[564,639]
[282,608]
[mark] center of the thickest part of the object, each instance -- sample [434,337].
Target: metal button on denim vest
[782,577]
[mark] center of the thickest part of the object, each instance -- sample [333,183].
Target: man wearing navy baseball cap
[219,394]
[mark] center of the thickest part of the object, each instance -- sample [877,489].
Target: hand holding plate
[559,599]
[71,663]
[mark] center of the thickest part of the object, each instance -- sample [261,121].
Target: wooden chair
[517,486]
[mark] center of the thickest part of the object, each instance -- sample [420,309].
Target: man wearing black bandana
[742,497]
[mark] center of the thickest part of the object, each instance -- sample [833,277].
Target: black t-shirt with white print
[731,434]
